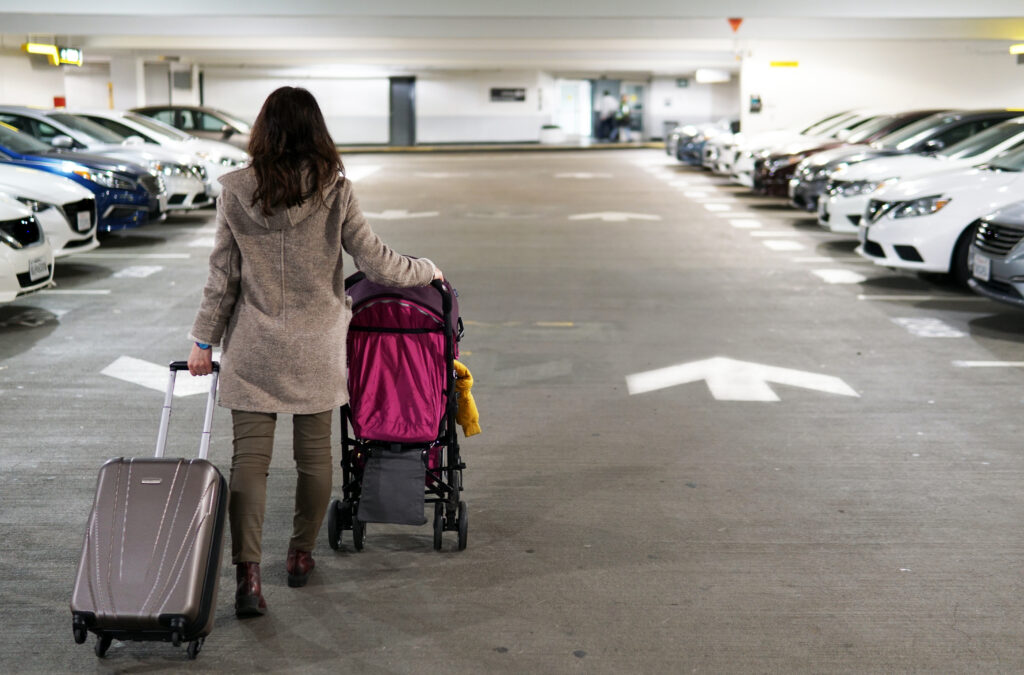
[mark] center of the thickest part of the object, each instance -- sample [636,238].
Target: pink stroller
[403,450]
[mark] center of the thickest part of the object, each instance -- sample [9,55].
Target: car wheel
[959,270]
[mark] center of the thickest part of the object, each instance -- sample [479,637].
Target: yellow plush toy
[467,416]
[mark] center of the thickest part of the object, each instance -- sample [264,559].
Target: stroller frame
[443,484]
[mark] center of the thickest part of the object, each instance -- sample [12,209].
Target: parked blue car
[126,194]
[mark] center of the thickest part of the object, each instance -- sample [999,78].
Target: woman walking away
[275,300]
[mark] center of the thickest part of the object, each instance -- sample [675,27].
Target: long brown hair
[293,155]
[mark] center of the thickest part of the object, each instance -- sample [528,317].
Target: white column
[128,79]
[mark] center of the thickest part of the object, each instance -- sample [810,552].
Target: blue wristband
[202,345]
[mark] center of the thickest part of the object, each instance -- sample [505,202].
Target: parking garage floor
[714,440]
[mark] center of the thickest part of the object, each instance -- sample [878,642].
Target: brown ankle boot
[249,594]
[300,564]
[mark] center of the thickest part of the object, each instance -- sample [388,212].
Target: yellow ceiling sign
[784,64]
[1017,49]
[54,54]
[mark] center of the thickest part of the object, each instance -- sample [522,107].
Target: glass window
[188,120]
[44,131]
[158,129]
[15,141]
[243,127]
[909,134]
[165,116]
[810,130]
[986,140]
[1011,160]
[122,130]
[208,122]
[17,122]
[87,127]
[869,129]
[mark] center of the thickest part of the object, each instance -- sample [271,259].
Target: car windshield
[822,122]
[157,127]
[242,126]
[869,129]
[838,122]
[87,127]
[986,140]
[921,128]
[23,144]
[1010,160]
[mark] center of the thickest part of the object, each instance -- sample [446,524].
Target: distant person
[275,297]
[606,109]
[623,119]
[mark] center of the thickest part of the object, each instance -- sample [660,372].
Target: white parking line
[776,233]
[138,272]
[694,194]
[745,223]
[135,256]
[69,291]
[929,327]
[783,245]
[989,364]
[201,242]
[741,214]
[813,259]
[717,207]
[840,276]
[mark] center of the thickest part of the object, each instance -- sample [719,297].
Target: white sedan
[217,157]
[850,188]
[65,210]
[26,259]
[927,224]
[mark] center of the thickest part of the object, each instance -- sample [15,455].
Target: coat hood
[242,184]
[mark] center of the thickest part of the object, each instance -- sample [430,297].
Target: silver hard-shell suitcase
[151,557]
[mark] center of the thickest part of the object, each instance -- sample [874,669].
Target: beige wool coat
[275,296]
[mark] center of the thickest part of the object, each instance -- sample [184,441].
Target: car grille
[72,209]
[154,185]
[997,239]
[25,231]
[25,279]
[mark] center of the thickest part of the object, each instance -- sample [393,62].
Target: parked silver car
[996,257]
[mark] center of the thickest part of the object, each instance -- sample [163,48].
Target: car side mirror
[228,131]
[62,142]
[933,146]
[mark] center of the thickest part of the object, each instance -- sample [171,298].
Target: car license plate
[982,268]
[38,269]
[84,221]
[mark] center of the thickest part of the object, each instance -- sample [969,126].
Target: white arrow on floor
[732,380]
[583,175]
[614,216]
[401,215]
[154,376]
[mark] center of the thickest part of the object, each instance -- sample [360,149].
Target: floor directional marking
[153,376]
[732,380]
[815,259]
[717,207]
[71,291]
[745,223]
[929,327]
[695,194]
[614,216]
[134,256]
[356,173]
[783,245]
[137,272]
[402,214]
[989,364]
[840,276]
[583,175]
[201,242]
[776,233]
[920,298]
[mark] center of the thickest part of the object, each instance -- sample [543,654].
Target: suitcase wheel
[102,644]
[194,648]
[80,634]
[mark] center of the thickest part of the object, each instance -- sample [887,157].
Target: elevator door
[403,111]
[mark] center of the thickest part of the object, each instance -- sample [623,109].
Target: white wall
[889,75]
[86,87]
[693,104]
[456,107]
[356,110]
[28,80]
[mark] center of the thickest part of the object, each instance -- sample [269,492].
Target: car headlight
[157,167]
[228,161]
[783,162]
[37,207]
[925,206]
[11,240]
[107,179]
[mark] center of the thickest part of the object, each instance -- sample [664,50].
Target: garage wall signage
[54,54]
[507,94]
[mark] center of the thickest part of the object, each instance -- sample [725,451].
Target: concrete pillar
[128,82]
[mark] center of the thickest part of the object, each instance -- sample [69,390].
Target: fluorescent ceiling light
[710,76]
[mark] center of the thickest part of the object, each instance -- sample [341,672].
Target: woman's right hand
[200,361]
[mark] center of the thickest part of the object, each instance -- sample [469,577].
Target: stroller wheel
[358,532]
[463,526]
[334,524]
[438,525]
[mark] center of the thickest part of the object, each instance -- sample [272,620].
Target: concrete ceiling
[652,36]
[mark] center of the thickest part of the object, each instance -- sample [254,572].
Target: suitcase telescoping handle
[165,416]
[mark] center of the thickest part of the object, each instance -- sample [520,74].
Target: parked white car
[184,177]
[850,188]
[927,224]
[26,259]
[65,210]
[217,157]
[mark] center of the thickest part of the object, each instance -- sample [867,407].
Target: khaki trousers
[250,465]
